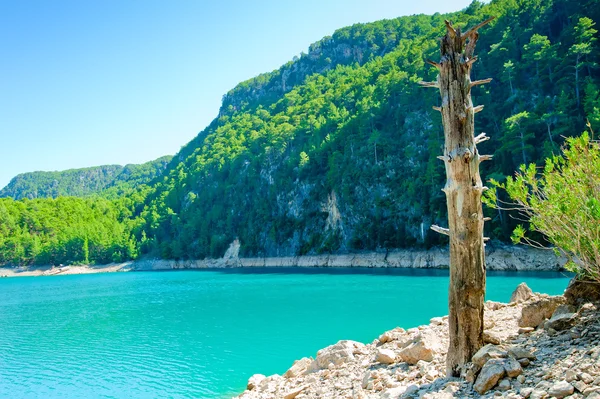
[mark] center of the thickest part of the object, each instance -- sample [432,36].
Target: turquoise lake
[201,334]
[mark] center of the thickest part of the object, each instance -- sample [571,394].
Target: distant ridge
[106,181]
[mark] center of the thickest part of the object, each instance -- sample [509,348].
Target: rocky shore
[498,257]
[538,346]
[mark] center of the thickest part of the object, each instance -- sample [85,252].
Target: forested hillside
[109,181]
[336,150]
[65,230]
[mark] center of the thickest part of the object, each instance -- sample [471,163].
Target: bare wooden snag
[463,194]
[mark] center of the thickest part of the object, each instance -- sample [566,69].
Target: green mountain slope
[107,181]
[337,150]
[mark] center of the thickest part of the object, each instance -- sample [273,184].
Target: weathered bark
[463,195]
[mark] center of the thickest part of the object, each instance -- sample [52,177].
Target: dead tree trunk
[463,195]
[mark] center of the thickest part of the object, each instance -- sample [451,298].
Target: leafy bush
[562,203]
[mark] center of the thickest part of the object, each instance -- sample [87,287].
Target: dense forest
[336,150]
[108,181]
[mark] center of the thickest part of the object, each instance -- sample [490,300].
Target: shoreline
[536,346]
[503,258]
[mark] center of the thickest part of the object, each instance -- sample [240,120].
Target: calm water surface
[201,334]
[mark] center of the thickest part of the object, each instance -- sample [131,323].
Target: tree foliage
[562,203]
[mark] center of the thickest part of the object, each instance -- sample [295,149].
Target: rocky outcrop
[527,363]
[537,310]
[521,294]
[579,292]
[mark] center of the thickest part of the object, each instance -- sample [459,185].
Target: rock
[491,305]
[294,392]
[570,375]
[486,353]
[580,385]
[512,367]
[411,389]
[561,321]
[585,377]
[593,395]
[524,362]
[270,383]
[437,321]
[518,352]
[394,393]
[491,338]
[298,368]
[392,335]
[525,392]
[538,309]
[504,384]
[561,389]
[337,354]
[521,294]
[470,372]
[438,395]
[526,330]
[538,394]
[385,337]
[254,381]
[385,356]
[579,292]
[491,373]
[422,348]
[563,309]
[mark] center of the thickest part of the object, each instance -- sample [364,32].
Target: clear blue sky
[93,82]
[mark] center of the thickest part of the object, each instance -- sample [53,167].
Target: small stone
[589,390]
[561,321]
[486,353]
[393,393]
[491,373]
[294,392]
[538,394]
[436,321]
[561,389]
[525,392]
[518,352]
[504,384]
[526,330]
[585,377]
[570,375]
[298,368]
[521,379]
[564,309]
[593,395]
[385,337]
[491,338]
[492,305]
[580,386]
[424,346]
[254,381]
[524,362]
[385,356]
[512,367]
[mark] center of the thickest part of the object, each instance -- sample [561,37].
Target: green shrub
[562,202]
